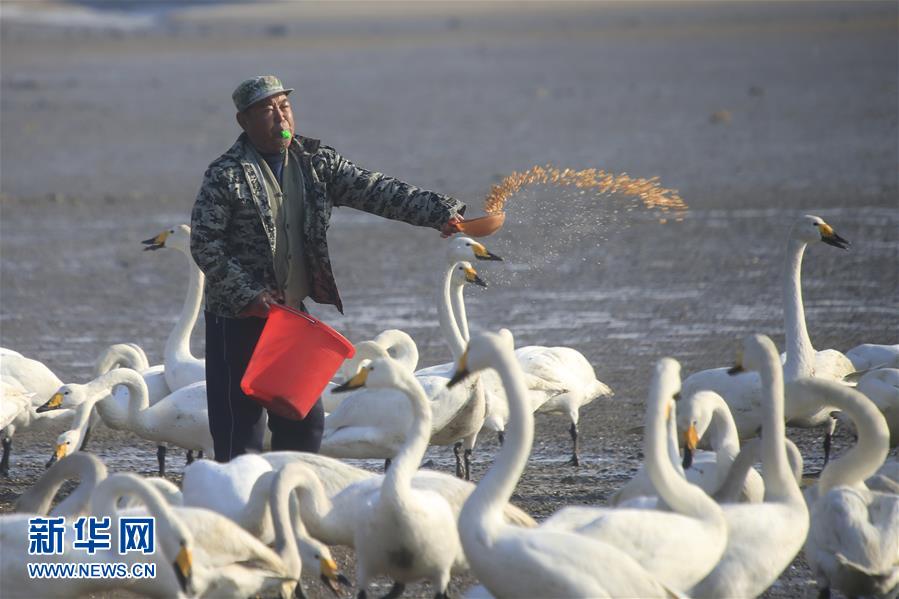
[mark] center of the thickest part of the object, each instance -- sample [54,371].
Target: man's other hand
[452,226]
[259,307]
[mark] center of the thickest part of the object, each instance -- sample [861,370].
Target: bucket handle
[295,312]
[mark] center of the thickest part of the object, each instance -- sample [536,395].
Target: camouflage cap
[257,88]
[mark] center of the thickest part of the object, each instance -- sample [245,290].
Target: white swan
[181,367]
[179,418]
[763,538]
[226,560]
[881,386]
[567,368]
[853,543]
[173,556]
[405,533]
[373,423]
[706,412]
[659,540]
[516,562]
[243,490]
[742,392]
[85,417]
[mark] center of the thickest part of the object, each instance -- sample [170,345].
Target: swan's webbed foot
[160,457]
[575,460]
[456,448]
[85,438]
[395,591]
[824,593]
[190,457]
[444,594]
[467,464]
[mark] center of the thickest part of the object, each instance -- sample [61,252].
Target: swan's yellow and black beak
[461,370]
[830,237]
[471,276]
[481,253]
[154,243]
[54,403]
[354,383]
[184,568]
[59,453]
[691,441]
[331,576]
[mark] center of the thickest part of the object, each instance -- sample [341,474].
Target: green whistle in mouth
[285,134]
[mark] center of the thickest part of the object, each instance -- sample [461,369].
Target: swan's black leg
[84,439]
[200,455]
[456,448]
[190,456]
[575,460]
[4,461]
[444,594]
[387,463]
[501,437]
[160,457]
[298,591]
[467,464]
[395,591]
[828,439]
[824,593]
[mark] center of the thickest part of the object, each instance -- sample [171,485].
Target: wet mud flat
[757,113]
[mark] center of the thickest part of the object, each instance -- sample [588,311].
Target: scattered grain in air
[649,191]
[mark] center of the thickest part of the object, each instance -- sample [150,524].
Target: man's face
[264,121]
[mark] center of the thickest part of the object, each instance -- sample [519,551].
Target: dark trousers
[234,418]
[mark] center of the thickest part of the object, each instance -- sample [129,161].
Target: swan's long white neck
[285,540]
[398,479]
[39,497]
[873,445]
[484,507]
[177,346]
[723,436]
[121,354]
[800,353]
[448,325]
[138,395]
[680,495]
[458,299]
[106,497]
[779,482]
[314,502]
[257,506]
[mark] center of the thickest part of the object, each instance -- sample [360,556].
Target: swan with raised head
[762,538]
[372,423]
[743,391]
[659,540]
[403,532]
[517,562]
[853,543]
[182,368]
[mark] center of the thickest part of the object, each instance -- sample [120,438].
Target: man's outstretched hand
[452,226]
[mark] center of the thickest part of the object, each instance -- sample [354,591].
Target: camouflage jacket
[233,235]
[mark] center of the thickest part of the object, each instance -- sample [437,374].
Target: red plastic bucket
[293,361]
